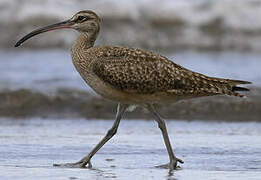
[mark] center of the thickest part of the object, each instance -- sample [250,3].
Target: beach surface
[210,150]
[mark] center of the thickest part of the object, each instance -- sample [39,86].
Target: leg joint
[161,125]
[112,132]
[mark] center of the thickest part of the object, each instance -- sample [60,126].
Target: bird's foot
[172,165]
[79,164]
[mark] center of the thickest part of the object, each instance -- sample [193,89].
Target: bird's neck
[85,41]
[81,58]
[80,47]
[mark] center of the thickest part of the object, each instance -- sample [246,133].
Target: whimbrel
[133,76]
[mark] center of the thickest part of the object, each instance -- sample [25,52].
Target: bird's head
[83,21]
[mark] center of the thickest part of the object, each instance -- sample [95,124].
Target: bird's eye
[81,18]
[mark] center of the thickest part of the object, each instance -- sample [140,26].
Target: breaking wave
[68,103]
[152,24]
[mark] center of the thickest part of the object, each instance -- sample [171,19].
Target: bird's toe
[73,165]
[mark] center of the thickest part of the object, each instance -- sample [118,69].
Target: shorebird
[133,77]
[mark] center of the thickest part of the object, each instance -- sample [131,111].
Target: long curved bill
[61,25]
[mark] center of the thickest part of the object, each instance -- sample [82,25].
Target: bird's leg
[173,159]
[86,161]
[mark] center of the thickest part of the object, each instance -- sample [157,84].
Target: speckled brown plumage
[143,72]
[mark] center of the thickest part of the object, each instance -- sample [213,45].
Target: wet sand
[211,150]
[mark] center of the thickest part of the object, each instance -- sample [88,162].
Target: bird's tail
[235,88]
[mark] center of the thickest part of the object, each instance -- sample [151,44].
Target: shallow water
[211,150]
[52,69]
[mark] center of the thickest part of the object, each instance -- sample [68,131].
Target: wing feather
[138,71]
